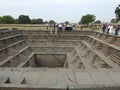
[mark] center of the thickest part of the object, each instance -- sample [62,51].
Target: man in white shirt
[111,29]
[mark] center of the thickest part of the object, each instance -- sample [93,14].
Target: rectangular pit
[47,60]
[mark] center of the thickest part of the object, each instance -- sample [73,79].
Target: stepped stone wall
[68,60]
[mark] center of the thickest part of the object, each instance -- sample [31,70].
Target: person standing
[108,29]
[47,25]
[103,28]
[81,26]
[111,29]
[117,30]
[54,25]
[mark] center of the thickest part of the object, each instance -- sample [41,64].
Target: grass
[23,26]
[31,27]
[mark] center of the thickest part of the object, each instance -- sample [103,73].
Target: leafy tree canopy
[24,19]
[87,19]
[37,21]
[7,19]
[51,22]
[117,12]
[113,20]
[66,22]
[97,22]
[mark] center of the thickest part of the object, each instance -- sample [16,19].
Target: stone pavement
[58,78]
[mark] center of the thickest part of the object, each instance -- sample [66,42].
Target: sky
[60,10]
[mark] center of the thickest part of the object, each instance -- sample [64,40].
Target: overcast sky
[60,10]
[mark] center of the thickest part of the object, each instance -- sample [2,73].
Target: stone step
[10,57]
[102,56]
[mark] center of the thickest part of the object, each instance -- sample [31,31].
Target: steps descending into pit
[69,60]
[90,46]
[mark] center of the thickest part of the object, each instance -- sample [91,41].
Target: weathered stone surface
[77,60]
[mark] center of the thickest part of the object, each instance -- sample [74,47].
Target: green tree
[87,19]
[66,22]
[113,20]
[117,12]
[0,19]
[97,22]
[37,21]
[16,21]
[24,19]
[51,22]
[7,20]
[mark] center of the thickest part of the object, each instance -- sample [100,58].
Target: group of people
[109,29]
[67,27]
[62,26]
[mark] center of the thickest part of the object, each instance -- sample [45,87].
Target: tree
[97,22]
[66,22]
[7,20]
[24,19]
[16,21]
[87,19]
[0,19]
[113,20]
[37,21]
[51,22]
[117,12]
